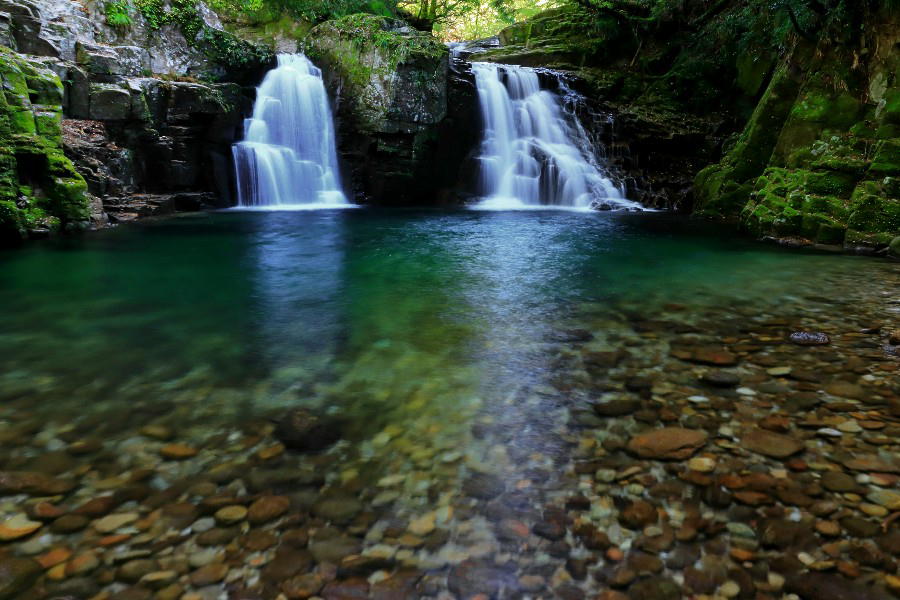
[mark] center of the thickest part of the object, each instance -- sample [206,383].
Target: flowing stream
[288,157]
[533,153]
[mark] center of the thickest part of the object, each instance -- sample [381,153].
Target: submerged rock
[17,575]
[303,430]
[669,443]
[821,586]
[770,444]
[808,338]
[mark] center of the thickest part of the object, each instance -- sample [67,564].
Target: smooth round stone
[209,574]
[702,464]
[178,451]
[828,528]
[741,530]
[605,475]
[267,508]
[779,371]
[110,523]
[873,510]
[159,579]
[231,514]
[204,524]
[849,427]
[201,558]
[829,432]
[423,525]
[730,589]
[157,432]
[18,526]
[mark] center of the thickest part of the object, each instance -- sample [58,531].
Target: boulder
[301,429]
[107,62]
[109,102]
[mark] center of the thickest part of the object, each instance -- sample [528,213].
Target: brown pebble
[209,574]
[178,451]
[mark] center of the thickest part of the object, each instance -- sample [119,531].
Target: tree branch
[797,27]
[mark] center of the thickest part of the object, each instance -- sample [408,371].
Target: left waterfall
[288,156]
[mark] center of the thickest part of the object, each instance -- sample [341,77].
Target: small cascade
[533,153]
[288,156]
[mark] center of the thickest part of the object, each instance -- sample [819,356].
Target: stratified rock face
[819,160]
[390,85]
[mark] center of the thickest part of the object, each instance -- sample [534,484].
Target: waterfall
[288,156]
[533,153]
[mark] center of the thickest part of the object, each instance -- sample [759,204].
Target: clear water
[450,342]
[260,309]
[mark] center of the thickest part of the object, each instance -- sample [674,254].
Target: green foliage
[118,13]
[153,11]
[230,51]
[368,29]
[182,13]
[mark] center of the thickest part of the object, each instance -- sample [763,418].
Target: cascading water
[288,156]
[532,152]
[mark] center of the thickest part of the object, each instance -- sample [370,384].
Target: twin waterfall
[532,152]
[288,157]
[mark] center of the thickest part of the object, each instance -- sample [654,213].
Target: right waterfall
[532,153]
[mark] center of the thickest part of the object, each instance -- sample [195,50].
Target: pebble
[110,523]
[702,464]
[230,515]
[18,526]
[178,452]
[423,525]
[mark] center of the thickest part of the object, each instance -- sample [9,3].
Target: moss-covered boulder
[820,156]
[390,85]
[39,187]
[393,78]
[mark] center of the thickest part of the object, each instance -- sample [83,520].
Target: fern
[118,14]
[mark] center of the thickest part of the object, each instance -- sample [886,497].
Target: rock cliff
[114,115]
[819,159]
[793,139]
[403,125]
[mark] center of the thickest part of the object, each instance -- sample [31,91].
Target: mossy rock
[887,159]
[894,247]
[393,77]
[39,186]
[872,211]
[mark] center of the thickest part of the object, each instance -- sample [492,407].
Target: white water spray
[288,157]
[532,153]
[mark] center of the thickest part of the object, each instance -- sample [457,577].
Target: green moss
[872,211]
[366,30]
[232,52]
[377,59]
[31,148]
[12,223]
[719,189]
[887,158]
[894,247]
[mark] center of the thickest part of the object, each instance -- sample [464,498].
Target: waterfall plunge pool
[463,352]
